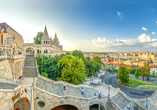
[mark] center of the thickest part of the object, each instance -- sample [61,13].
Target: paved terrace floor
[7,86]
[57,89]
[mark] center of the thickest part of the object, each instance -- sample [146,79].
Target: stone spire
[55,39]
[45,34]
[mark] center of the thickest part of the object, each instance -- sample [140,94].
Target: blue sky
[87,25]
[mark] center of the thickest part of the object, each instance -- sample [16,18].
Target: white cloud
[119,14]
[144,38]
[143,41]
[156,21]
[152,9]
[153,33]
[118,42]
[143,28]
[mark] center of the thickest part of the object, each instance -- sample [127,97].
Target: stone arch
[65,107]
[22,104]
[29,50]
[96,106]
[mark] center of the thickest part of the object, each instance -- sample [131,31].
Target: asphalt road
[110,79]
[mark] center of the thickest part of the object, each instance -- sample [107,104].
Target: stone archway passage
[96,107]
[22,104]
[65,107]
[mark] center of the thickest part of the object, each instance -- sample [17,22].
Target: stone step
[28,72]
[29,64]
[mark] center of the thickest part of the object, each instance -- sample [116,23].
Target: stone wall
[10,69]
[5,70]
[51,101]
[8,98]
[18,69]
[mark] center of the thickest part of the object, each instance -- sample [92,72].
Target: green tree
[153,73]
[132,71]
[73,69]
[44,74]
[38,37]
[48,64]
[137,73]
[123,74]
[79,54]
[111,68]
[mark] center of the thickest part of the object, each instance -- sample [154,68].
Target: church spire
[45,34]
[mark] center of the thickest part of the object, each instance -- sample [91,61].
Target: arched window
[37,51]
[45,51]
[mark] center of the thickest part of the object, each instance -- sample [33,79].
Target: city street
[110,79]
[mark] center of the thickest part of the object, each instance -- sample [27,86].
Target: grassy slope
[136,82]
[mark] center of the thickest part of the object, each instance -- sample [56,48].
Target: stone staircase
[29,66]
[57,89]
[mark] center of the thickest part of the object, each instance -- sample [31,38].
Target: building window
[37,51]
[44,42]
[45,51]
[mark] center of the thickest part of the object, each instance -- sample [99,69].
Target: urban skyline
[90,26]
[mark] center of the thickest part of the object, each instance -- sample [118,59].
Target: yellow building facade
[7,31]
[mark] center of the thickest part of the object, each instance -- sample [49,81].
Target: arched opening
[29,51]
[65,107]
[22,104]
[96,107]
[38,51]
[46,51]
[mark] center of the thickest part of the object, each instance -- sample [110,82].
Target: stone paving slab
[7,86]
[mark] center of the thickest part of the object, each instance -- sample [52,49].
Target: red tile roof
[153,66]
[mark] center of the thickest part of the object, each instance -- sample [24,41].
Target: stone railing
[23,63]
[127,97]
[36,67]
[61,82]
[2,57]
[153,94]
[68,96]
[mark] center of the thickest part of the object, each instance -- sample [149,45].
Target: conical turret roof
[55,39]
[45,34]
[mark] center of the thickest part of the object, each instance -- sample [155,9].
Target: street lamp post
[28,91]
[99,97]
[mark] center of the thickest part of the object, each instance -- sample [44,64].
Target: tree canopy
[80,66]
[38,37]
[73,69]
[123,74]
[137,73]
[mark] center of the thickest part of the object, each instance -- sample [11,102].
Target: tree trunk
[143,78]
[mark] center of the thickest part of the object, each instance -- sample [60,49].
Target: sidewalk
[139,87]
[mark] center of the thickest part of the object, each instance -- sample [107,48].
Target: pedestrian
[64,86]
[20,77]
[82,92]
